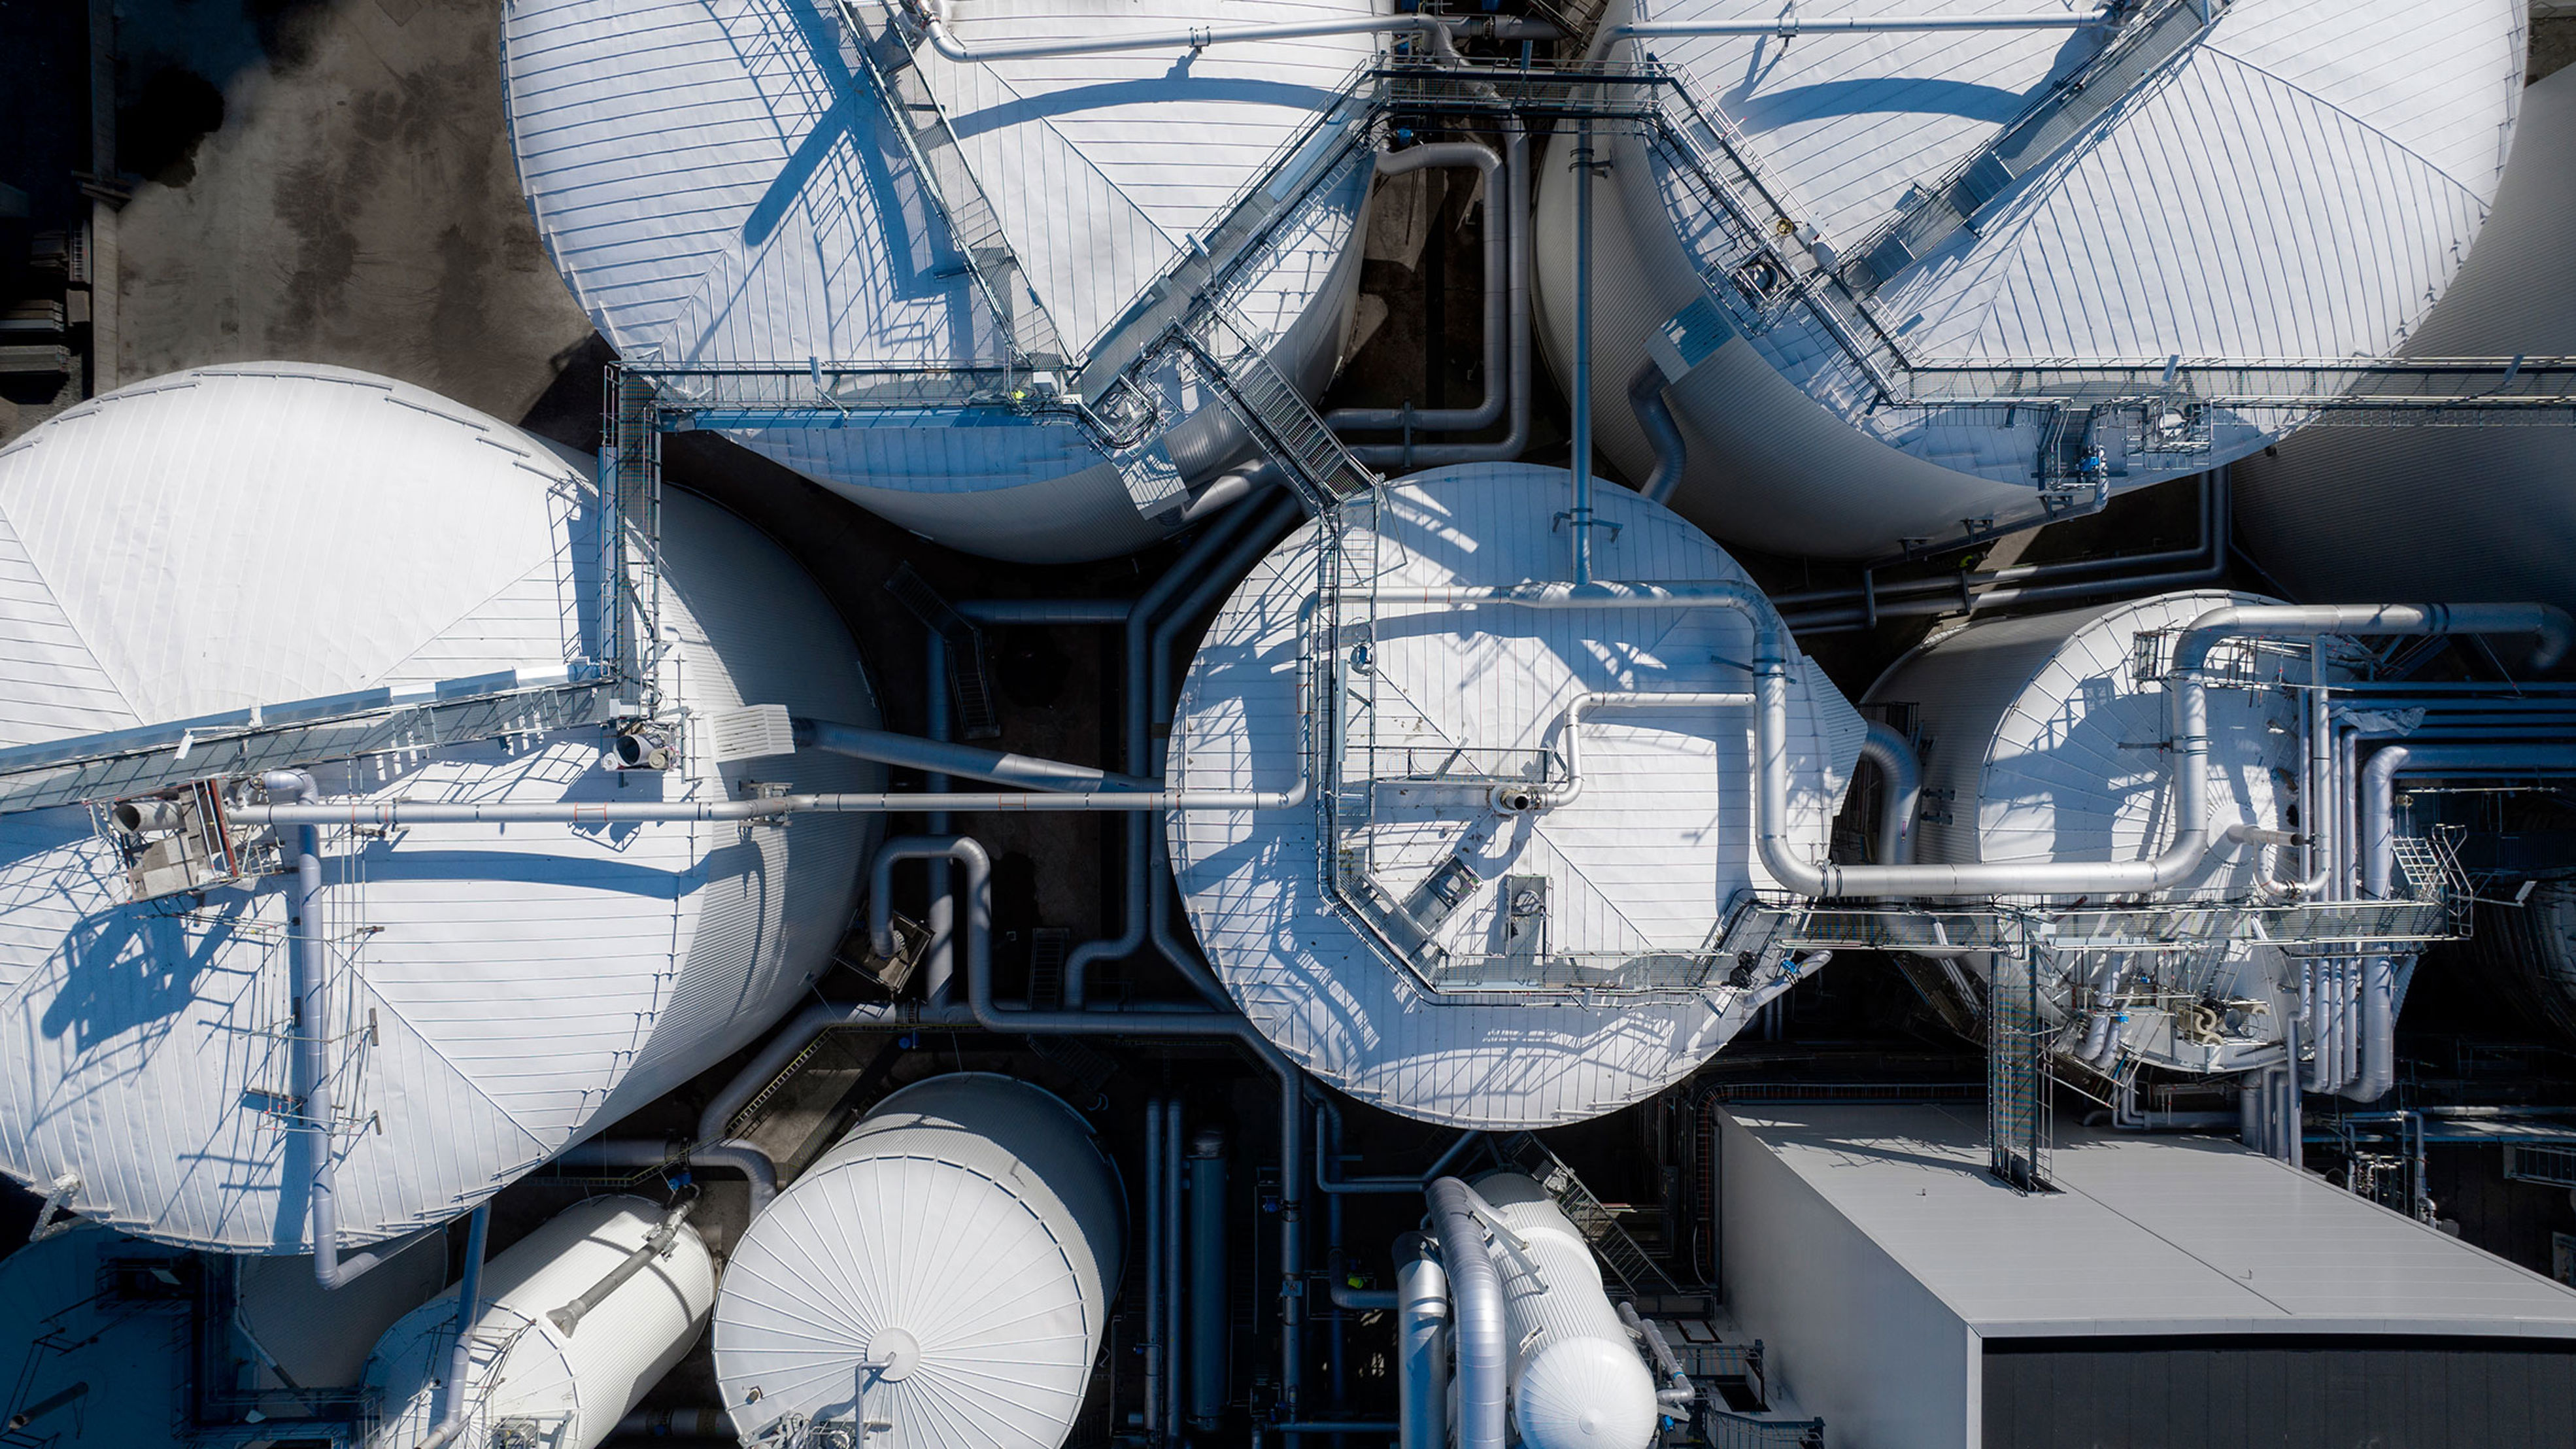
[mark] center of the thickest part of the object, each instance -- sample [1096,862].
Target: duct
[1210,1318]
[1516,440]
[1655,420]
[1790,24]
[1421,1349]
[1498,288]
[978,868]
[460,1362]
[1137,707]
[567,1319]
[1900,773]
[1476,1291]
[1433,31]
[751,1162]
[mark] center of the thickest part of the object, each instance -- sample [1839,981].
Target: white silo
[1539,817]
[945,1269]
[530,1380]
[248,568]
[2346,511]
[2042,742]
[721,185]
[2011,263]
[1577,1379]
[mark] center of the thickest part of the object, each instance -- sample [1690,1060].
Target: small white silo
[527,1375]
[1541,818]
[292,541]
[722,185]
[945,1269]
[1577,1378]
[2041,742]
[2280,182]
[2344,512]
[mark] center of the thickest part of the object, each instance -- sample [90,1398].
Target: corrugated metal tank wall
[568,1389]
[964,1239]
[269,533]
[2487,512]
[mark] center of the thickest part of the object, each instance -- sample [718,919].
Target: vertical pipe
[1292,1244]
[1209,1328]
[1580,520]
[1476,1289]
[939,966]
[460,1363]
[1175,1286]
[1337,1323]
[1421,1345]
[1153,1344]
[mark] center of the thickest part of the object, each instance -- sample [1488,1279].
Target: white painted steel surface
[571,1389]
[1578,1381]
[718,185]
[2043,745]
[268,533]
[2486,513]
[2303,182]
[965,1237]
[1648,856]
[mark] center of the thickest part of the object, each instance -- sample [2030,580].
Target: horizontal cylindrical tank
[722,185]
[1541,816]
[946,1269]
[2102,226]
[2485,512]
[1577,1380]
[2042,740]
[266,534]
[563,1390]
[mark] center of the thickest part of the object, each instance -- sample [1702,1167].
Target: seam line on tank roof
[2296,89]
[64,609]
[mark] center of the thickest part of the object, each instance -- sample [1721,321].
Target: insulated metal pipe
[1175,1285]
[1421,1348]
[1579,520]
[1154,1229]
[941,757]
[1655,419]
[758,1172]
[1789,25]
[1209,1319]
[1900,776]
[1498,287]
[1476,1291]
[1515,439]
[450,1419]
[1431,29]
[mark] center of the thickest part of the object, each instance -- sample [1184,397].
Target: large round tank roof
[2287,183]
[2347,512]
[966,1238]
[259,535]
[720,184]
[1574,969]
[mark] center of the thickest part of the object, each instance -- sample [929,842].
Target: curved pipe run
[1497,362]
[1655,418]
[1476,1288]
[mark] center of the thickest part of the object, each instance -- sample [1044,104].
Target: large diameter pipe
[942,758]
[460,1359]
[1210,1316]
[1477,1322]
[1655,419]
[1154,1288]
[1900,778]
[1175,1285]
[1497,345]
[1421,1344]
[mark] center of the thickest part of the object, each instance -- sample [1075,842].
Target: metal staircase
[970,681]
[1619,1253]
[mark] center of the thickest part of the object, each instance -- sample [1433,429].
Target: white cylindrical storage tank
[2042,743]
[2345,512]
[720,185]
[251,537]
[1512,915]
[1958,202]
[562,1390]
[945,1269]
[1577,1380]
